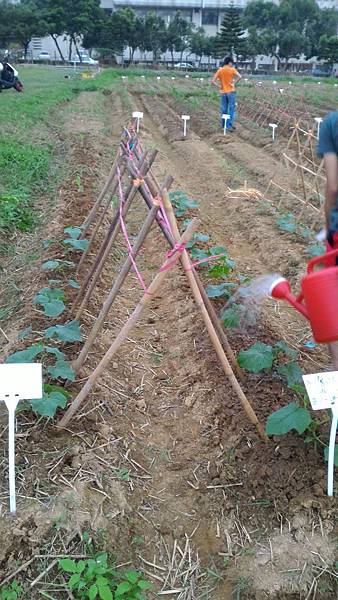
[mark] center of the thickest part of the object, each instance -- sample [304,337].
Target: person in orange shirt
[228,76]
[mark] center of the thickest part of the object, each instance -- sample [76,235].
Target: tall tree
[199,44]
[26,23]
[154,35]
[231,39]
[176,36]
[328,48]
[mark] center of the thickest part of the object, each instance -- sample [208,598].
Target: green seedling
[95,578]
[12,592]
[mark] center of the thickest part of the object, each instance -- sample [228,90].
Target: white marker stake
[319,82]
[158,78]
[173,78]
[225,119]
[273,127]
[318,121]
[336,85]
[274,82]
[290,82]
[137,115]
[187,76]
[281,90]
[17,382]
[201,79]
[322,389]
[246,80]
[142,76]
[185,118]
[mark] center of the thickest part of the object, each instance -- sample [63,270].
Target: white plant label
[137,115]
[17,382]
[322,389]
[185,118]
[225,118]
[273,127]
[318,121]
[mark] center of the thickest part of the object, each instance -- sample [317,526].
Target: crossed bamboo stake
[149,189]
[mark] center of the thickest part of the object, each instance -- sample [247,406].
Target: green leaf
[289,417]
[231,316]
[51,300]
[326,454]
[101,581]
[73,284]
[24,332]
[105,593]
[144,585]
[218,269]
[70,332]
[292,373]
[281,346]
[77,244]
[122,588]
[316,250]
[258,357]
[286,224]
[198,254]
[67,565]
[73,232]
[47,407]
[222,289]
[49,387]
[218,250]
[62,369]
[80,567]
[74,580]
[55,351]
[132,576]
[201,237]
[92,592]
[25,356]
[50,265]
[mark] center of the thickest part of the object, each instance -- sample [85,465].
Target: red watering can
[318,300]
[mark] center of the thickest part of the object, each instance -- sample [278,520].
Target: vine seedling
[95,578]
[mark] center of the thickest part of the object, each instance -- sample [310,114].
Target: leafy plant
[72,240]
[257,358]
[16,212]
[51,300]
[95,578]
[181,202]
[316,249]
[69,332]
[232,315]
[12,592]
[286,223]
[222,290]
[287,418]
[197,237]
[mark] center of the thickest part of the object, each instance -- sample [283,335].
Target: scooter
[9,77]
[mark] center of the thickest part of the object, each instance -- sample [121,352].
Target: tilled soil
[161,454]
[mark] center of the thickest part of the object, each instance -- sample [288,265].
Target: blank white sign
[22,380]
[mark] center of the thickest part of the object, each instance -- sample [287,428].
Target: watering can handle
[321,260]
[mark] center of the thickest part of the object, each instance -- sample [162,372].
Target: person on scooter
[328,149]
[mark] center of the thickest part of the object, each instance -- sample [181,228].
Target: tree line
[286,30]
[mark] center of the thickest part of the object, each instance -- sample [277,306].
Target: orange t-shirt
[225,75]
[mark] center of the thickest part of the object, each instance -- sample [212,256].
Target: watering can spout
[280,290]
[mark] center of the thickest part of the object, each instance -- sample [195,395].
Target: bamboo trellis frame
[138,178]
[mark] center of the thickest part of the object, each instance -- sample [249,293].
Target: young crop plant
[181,202]
[282,360]
[11,592]
[95,578]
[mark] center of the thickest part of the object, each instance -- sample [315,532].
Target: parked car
[321,72]
[85,60]
[44,56]
[184,66]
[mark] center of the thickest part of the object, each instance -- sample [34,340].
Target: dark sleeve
[326,142]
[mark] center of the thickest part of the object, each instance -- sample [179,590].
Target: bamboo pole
[128,326]
[148,192]
[209,326]
[115,289]
[92,213]
[100,221]
[96,269]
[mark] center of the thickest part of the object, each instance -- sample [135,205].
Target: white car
[183,65]
[85,60]
[44,56]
